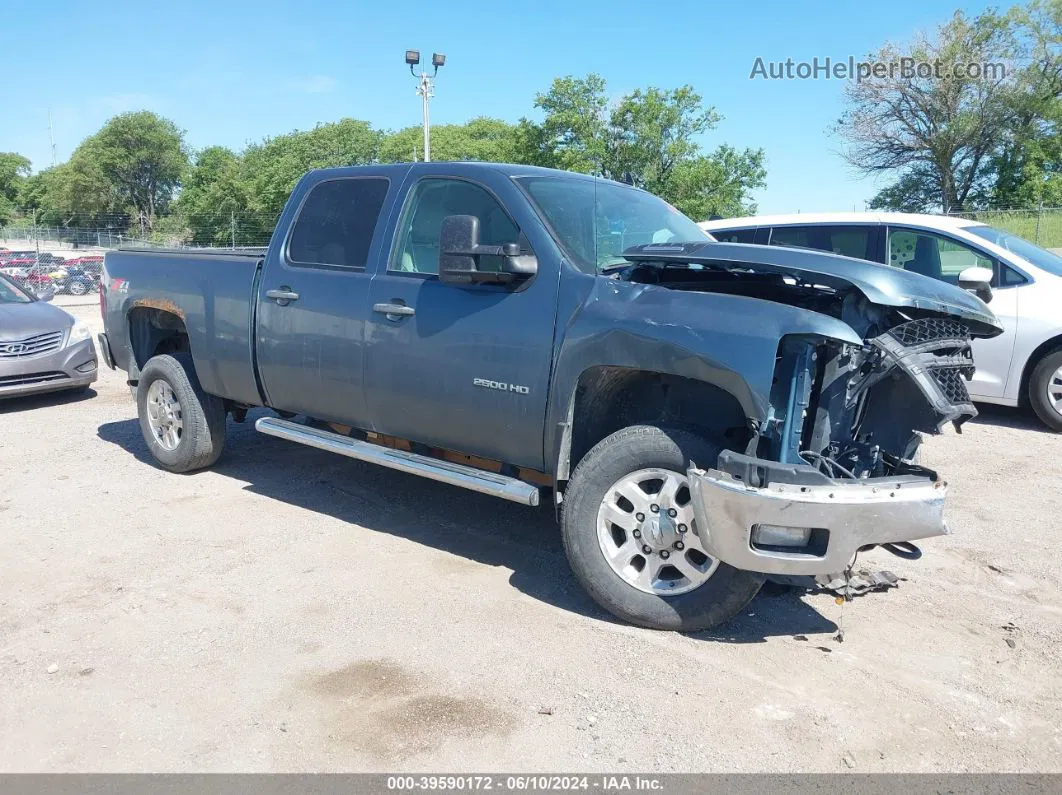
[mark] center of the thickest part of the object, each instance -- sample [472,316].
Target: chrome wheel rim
[649,536]
[1054,390]
[77,288]
[164,415]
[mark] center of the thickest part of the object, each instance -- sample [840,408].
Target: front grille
[952,382]
[929,329]
[32,378]
[31,346]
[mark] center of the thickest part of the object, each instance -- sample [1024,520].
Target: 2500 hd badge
[501,385]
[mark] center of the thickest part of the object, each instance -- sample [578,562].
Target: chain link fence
[47,260]
[216,230]
[1041,225]
[47,245]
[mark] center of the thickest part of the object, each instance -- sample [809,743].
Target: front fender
[729,341]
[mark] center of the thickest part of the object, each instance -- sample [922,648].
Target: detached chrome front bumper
[842,517]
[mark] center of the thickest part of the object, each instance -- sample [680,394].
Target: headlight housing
[78,332]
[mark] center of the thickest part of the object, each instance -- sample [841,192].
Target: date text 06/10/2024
[524,783]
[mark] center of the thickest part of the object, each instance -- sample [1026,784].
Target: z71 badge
[501,386]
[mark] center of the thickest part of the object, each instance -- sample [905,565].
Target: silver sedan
[42,348]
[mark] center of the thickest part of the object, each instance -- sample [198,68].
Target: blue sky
[232,73]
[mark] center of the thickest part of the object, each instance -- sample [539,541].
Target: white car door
[993,356]
[944,257]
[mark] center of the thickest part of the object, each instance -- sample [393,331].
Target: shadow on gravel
[1021,419]
[44,400]
[474,526]
[777,610]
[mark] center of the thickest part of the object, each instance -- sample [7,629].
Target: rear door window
[734,235]
[848,240]
[796,236]
[336,223]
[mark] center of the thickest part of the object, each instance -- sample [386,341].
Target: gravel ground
[291,610]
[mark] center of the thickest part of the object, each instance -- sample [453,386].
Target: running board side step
[484,482]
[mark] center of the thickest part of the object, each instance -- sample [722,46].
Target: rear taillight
[103,307]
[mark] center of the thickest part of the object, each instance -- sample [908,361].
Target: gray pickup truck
[704,415]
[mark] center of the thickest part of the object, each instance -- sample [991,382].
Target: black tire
[1039,381]
[202,415]
[77,288]
[637,447]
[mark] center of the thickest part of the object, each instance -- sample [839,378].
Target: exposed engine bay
[849,412]
[858,412]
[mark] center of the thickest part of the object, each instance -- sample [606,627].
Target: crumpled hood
[881,284]
[18,321]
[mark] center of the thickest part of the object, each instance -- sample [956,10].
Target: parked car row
[45,273]
[1023,282]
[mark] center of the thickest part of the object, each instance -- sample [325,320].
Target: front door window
[432,201]
[932,255]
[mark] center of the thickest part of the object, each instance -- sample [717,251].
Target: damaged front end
[831,471]
[829,468]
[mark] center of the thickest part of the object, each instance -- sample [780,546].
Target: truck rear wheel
[183,426]
[633,541]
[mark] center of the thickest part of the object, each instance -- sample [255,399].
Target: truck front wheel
[633,541]
[183,426]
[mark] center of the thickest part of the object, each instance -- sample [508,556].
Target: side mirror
[977,280]
[460,252]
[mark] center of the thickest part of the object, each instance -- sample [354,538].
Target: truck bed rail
[249,251]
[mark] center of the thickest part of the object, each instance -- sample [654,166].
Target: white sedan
[1022,365]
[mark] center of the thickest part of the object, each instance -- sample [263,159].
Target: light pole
[426,89]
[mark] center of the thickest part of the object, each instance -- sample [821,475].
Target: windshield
[596,221]
[10,294]
[1040,257]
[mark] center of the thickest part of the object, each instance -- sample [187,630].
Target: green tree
[718,184]
[14,168]
[482,138]
[914,191]
[653,132]
[213,204]
[134,164]
[649,138]
[574,134]
[1028,164]
[937,132]
[63,196]
[269,170]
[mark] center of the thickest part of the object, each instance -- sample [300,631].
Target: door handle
[283,296]
[394,310]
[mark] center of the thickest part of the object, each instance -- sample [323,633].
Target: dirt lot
[293,610]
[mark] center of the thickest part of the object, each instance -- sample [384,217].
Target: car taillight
[103,308]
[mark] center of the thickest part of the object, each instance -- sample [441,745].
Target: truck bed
[211,290]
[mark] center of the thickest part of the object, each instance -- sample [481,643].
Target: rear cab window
[336,223]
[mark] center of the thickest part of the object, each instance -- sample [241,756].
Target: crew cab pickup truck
[703,415]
